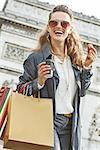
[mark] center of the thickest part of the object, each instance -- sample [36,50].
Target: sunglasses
[54,23]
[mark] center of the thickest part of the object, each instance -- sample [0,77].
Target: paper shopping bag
[5,93]
[30,121]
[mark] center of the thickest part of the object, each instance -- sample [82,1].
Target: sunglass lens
[65,24]
[52,23]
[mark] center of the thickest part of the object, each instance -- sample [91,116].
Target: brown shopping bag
[30,123]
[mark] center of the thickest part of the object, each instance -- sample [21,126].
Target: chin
[60,39]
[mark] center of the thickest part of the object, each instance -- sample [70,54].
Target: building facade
[20,23]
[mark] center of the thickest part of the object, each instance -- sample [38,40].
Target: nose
[59,24]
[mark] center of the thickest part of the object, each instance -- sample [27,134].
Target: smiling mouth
[58,33]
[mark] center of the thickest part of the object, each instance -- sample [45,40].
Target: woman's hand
[43,70]
[91,56]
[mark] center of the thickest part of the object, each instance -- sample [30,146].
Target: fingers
[91,49]
[92,53]
[42,63]
[91,56]
[44,69]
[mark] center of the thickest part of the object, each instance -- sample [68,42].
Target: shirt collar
[59,61]
[46,49]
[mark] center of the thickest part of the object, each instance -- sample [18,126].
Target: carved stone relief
[28,10]
[92,30]
[94,130]
[15,52]
[98,50]
[20,30]
[98,75]
[10,84]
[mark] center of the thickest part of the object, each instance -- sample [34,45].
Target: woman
[70,80]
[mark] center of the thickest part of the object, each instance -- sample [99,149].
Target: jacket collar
[48,55]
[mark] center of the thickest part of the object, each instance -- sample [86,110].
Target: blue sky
[87,7]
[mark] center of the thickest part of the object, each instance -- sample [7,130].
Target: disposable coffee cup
[51,64]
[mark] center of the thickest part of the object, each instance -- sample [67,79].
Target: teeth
[58,32]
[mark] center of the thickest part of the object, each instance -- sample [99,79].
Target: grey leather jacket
[28,84]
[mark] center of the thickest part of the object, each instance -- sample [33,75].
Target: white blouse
[67,86]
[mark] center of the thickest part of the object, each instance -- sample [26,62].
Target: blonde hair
[73,42]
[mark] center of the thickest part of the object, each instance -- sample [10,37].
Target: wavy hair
[73,42]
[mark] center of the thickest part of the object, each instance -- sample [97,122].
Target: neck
[57,47]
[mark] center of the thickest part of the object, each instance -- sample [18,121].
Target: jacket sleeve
[28,81]
[85,78]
